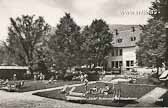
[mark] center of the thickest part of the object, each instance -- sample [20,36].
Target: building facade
[123,54]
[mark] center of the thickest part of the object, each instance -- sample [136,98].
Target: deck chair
[63,91]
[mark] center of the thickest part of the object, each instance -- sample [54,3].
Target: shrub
[68,76]
[93,75]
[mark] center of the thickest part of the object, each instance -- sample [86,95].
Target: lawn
[127,90]
[163,103]
[37,85]
[143,81]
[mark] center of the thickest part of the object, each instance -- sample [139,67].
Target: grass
[135,91]
[54,94]
[143,81]
[38,85]
[163,103]
[127,90]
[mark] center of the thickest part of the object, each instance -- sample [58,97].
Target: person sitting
[19,84]
[85,76]
[6,82]
[105,90]
[93,90]
[51,80]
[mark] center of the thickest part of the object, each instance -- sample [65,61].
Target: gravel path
[27,100]
[150,98]
[23,100]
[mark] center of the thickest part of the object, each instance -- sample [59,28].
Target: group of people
[96,90]
[39,76]
[84,79]
[83,76]
[16,85]
[105,90]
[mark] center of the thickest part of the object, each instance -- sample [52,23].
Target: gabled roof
[126,38]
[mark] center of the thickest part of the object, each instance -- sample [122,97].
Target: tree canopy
[65,43]
[97,42]
[24,36]
[31,42]
[152,45]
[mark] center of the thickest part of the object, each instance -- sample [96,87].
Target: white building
[123,53]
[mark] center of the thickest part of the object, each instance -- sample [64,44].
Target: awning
[13,67]
[164,75]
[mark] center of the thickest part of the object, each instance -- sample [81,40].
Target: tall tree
[24,35]
[2,54]
[152,45]
[65,43]
[97,42]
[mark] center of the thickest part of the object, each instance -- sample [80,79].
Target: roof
[121,27]
[13,67]
[125,38]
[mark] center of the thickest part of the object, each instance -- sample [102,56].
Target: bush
[93,76]
[68,76]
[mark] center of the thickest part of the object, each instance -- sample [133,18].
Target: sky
[82,11]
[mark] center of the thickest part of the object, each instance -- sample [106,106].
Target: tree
[2,54]
[97,42]
[152,45]
[24,35]
[65,43]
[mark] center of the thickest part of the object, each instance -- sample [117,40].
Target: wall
[128,54]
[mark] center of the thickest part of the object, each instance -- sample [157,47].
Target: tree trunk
[157,72]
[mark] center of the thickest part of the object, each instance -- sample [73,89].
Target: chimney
[116,32]
[133,29]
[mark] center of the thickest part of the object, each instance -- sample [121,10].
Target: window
[119,40]
[117,64]
[112,64]
[132,63]
[120,53]
[129,63]
[112,53]
[120,63]
[116,51]
[133,38]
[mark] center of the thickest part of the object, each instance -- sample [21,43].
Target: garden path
[27,100]
[150,98]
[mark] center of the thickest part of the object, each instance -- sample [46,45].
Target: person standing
[82,77]
[86,84]
[14,77]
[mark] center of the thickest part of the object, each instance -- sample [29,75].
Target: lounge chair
[63,91]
